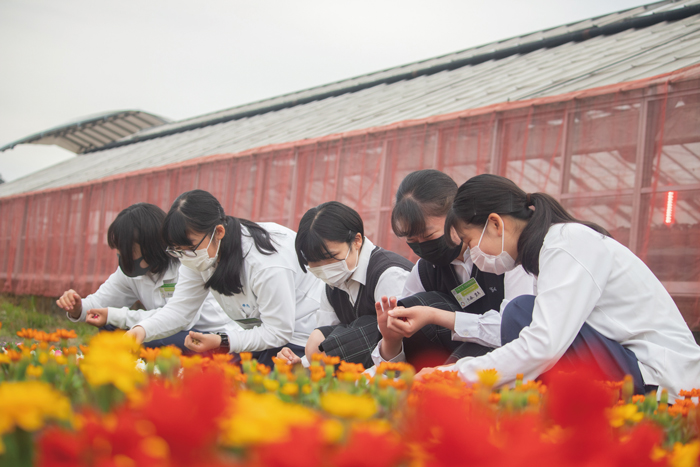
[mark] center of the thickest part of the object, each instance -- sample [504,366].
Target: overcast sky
[65,59]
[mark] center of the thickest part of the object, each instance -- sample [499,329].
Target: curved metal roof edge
[645,20]
[78,124]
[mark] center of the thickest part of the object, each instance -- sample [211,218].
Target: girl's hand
[391,343]
[138,333]
[287,354]
[71,302]
[199,342]
[408,321]
[97,317]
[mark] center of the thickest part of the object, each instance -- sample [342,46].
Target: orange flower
[317,373]
[330,360]
[66,334]
[221,358]
[638,398]
[351,367]
[689,394]
[317,357]
[26,333]
[392,366]
[263,369]
[83,349]
[246,356]
[149,354]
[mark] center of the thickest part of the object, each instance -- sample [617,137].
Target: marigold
[149,353]
[34,371]
[488,378]
[112,360]
[262,419]
[246,356]
[66,334]
[328,360]
[26,333]
[344,405]
[29,404]
[290,389]
[621,414]
[685,455]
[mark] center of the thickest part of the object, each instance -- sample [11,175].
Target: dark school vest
[379,261]
[444,279]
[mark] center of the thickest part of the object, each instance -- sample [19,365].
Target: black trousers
[612,359]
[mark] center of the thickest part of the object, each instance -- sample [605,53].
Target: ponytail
[200,212]
[486,194]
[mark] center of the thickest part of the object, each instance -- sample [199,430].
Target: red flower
[186,417]
[367,448]
[303,448]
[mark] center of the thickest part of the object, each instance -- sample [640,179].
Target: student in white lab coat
[145,274]
[252,271]
[436,322]
[595,298]
[331,243]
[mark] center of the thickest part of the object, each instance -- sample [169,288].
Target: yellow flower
[112,360]
[620,414]
[262,418]
[28,404]
[344,405]
[488,378]
[34,371]
[290,389]
[271,385]
[333,430]
[685,455]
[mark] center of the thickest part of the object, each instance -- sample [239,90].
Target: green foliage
[17,313]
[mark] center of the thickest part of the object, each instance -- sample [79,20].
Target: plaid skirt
[352,342]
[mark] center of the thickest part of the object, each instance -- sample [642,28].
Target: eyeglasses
[190,252]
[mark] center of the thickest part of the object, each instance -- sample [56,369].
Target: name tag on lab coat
[167,290]
[249,323]
[468,293]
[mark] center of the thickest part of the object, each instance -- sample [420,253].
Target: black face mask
[436,251]
[137,269]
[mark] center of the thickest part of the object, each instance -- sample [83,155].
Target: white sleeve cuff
[305,362]
[377,356]
[79,319]
[117,317]
[481,329]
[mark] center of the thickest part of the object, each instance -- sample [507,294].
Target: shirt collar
[465,261]
[360,274]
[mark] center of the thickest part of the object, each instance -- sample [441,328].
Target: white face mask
[201,261]
[498,264]
[336,273]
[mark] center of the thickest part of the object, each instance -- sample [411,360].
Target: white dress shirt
[275,290]
[390,284]
[481,329]
[588,278]
[120,291]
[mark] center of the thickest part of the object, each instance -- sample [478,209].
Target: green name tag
[249,323]
[167,290]
[468,293]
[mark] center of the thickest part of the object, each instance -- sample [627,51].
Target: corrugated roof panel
[627,55]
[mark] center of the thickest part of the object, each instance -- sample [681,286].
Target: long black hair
[331,221]
[199,212]
[486,194]
[424,193]
[140,223]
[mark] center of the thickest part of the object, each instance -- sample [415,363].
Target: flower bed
[95,406]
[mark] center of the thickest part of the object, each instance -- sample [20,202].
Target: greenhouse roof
[633,44]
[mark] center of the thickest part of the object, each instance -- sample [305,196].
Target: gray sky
[65,59]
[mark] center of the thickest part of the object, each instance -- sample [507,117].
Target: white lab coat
[119,292]
[586,277]
[275,290]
